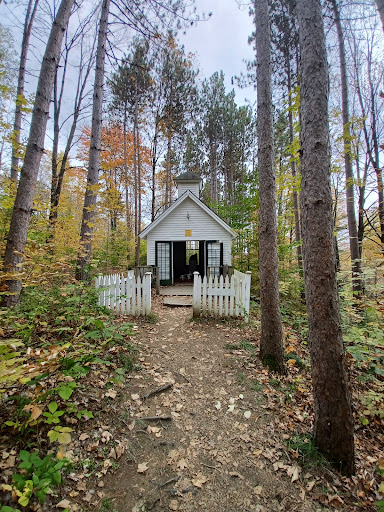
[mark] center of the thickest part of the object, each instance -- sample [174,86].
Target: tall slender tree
[333,425]
[271,341]
[89,209]
[28,24]
[349,185]
[22,210]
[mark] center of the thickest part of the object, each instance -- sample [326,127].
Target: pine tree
[333,424]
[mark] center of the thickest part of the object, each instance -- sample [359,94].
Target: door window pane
[213,260]
[164,260]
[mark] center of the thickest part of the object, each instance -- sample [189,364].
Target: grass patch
[243,345]
[241,377]
[152,318]
[299,362]
[304,447]
[256,386]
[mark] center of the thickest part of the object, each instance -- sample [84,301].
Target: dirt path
[222,449]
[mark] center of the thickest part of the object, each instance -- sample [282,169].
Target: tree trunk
[168,171]
[380,8]
[362,185]
[333,423]
[213,170]
[22,209]
[89,210]
[349,187]
[136,179]
[293,172]
[137,258]
[271,342]
[154,162]
[376,152]
[30,16]
[128,221]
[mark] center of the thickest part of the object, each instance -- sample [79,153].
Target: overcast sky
[221,42]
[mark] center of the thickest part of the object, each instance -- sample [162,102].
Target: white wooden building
[188,236]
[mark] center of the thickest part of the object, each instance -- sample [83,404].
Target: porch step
[177,290]
[178,300]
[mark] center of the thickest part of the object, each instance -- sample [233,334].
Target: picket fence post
[196,304]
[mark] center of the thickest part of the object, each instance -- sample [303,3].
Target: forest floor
[201,425]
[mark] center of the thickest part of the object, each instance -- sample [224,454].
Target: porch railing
[221,270]
[141,271]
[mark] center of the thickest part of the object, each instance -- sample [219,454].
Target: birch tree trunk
[29,19]
[333,423]
[22,210]
[271,341]
[89,210]
[352,225]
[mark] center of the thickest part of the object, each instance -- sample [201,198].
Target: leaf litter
[223,442]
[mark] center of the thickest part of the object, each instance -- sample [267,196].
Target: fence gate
[129,295]
[229,296]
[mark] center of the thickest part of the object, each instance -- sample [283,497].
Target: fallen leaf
[88,497]
[173,505]
[293,472]
[63,504]
[258,490]
[36,412]
[135,397]
[142,468]
[199,480]
[218,406]
[182,464]
[83,437]
[81,486]
[111,393]
[247,414]
[335,501]
[279,465]
[310,485]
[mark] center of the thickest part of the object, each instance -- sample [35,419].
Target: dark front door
[164,262]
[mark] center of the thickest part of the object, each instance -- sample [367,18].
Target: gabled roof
[176,204]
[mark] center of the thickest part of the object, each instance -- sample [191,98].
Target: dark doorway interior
[180,267]
[188,257]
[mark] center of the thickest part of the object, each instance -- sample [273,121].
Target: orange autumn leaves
[117,165]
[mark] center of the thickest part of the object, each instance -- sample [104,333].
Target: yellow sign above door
[188,232]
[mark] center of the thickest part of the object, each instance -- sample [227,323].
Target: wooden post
[247,294]
[157,275]
[196,294]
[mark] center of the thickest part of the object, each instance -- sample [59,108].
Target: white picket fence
[222,296]
[126,295]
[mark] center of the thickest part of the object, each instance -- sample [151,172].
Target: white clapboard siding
[188,216]
[222,297]
[126,295]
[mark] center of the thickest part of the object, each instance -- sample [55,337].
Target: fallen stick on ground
[155,418]
[162,388]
